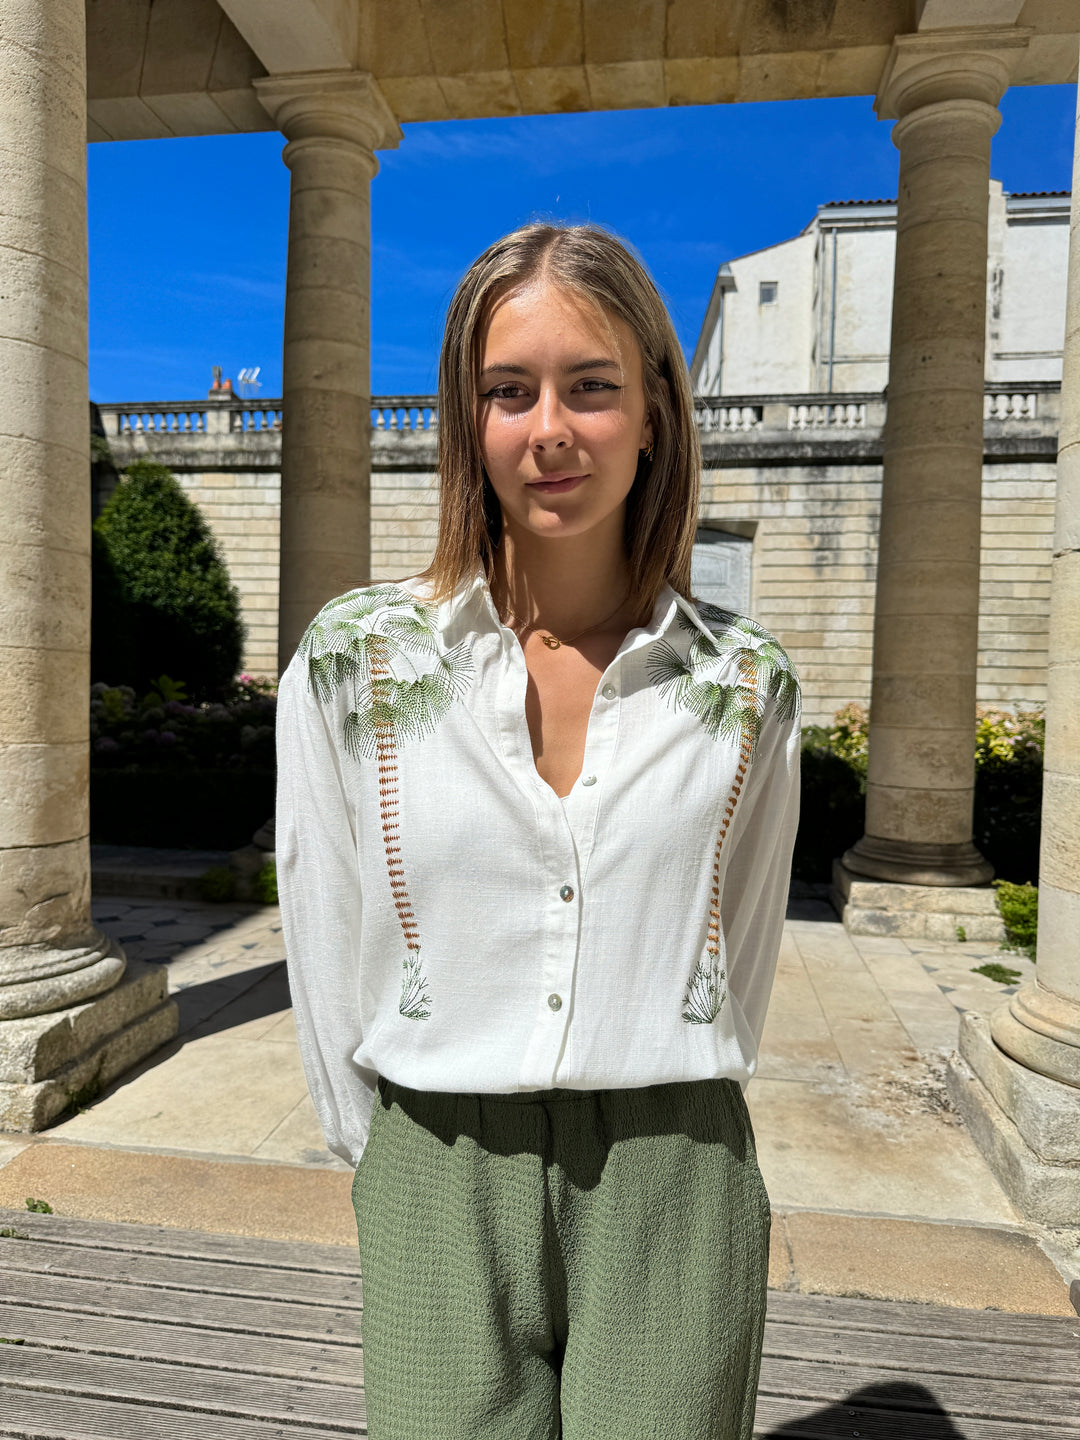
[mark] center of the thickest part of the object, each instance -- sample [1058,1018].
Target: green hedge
[162,598]
[1008,791]
[199,809]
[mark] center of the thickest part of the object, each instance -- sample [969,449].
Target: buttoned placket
[550,997]
[565,833]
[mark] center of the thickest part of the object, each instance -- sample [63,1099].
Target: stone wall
[799,478]
[243,508]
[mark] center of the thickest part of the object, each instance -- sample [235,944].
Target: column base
[1026,1126]
[920,912]
[909,862]
[48,1062]
[37,978]
[1040,1031]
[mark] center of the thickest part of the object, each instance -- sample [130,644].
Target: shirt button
[555,1002]
[566,893]
[609,692]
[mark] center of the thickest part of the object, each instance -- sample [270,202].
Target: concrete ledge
[812,1252]
[923,912]
[145,872]
[277,1202]
[1044,1111]
[48,1060]
[883,1257]
[1047,1193]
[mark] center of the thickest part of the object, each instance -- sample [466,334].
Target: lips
[556,484]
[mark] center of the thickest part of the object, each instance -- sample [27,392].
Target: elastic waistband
[547,1097]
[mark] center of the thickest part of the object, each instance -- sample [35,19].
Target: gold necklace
[554,643]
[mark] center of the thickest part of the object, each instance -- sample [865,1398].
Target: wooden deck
[130,1332]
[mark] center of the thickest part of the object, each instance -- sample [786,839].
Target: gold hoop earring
[648,451]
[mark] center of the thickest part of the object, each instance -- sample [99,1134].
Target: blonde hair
[662,506]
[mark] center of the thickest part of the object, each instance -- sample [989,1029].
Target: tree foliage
[162,598]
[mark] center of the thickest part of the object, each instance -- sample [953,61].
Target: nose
[550,429]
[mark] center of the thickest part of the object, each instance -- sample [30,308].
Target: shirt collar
[474,591]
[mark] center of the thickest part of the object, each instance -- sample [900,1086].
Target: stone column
[944,89]
[334,121]
[1018,1084]
[68,1023]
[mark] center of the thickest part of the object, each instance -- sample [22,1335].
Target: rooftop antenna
[248,380]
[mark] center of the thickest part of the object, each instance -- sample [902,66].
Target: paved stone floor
[849,1107]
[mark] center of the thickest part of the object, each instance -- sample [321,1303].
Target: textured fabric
[451,925]
[574,1264]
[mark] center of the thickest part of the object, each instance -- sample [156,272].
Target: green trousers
[583,1264]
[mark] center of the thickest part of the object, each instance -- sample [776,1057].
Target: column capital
[967,64]
[343,104]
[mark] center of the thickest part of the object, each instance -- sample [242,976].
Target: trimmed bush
[1018,906]
[167,772]
[1008,791]
[205,809]
[162,599]
[833,801]
[264,885]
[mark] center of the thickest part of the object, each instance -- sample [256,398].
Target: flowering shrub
[162,730]
[849,735]
[832,803]
[1001,736]
[1008,789]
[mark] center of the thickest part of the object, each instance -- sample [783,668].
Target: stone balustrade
[849,415]
[1006,405]
[182,417]
[408,414]
[180,432]
[715,413]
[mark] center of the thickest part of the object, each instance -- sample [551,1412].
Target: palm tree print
[342,646]
[730,711]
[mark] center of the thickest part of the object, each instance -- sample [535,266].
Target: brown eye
[508,391]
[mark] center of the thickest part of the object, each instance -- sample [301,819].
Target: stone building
[801,330]
[338,77]
[789,515]
[813,313]
[792,485]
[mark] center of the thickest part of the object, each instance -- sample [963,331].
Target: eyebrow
[598,364]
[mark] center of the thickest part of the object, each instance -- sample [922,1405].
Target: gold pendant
[551,641]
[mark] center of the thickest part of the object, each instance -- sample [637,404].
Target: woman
[535,818]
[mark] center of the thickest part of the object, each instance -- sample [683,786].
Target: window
[768,291]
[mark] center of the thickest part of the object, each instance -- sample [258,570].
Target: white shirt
[451,925]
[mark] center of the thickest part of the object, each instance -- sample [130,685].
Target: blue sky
[188,237]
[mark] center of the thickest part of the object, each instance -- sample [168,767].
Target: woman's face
[559,400]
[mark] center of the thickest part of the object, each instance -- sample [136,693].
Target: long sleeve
[321,912]
[754,900]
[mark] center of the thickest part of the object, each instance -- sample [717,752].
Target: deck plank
[174,1307]
[272,1355]
[141,1333]
[786,1417]
[195,1244]
[177,1273]
[56,1417]
[943,1356]
[960,1395]
[213,1393]
[909,1318]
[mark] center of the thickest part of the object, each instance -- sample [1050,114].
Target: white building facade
[812,314]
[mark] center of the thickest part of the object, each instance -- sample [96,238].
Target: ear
[647,434]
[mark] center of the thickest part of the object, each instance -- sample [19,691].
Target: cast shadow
[887,1410]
